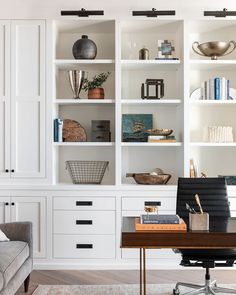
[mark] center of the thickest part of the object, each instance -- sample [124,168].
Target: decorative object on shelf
[150,178]
[84,48]
[73,131]
[160,135]
[158,86]
[165,49]
[192,169]
[203,175]
[86,172]
[76,78]
[220,13]
[134,126]
[153,12]
[214,49]
[220,134]
[100,131]
[144,53]
[197,94]
[94,87]
[230,179]
[82,13]
[161,132]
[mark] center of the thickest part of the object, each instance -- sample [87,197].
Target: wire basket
[86,172]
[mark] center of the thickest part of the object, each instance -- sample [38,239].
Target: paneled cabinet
[22,99]
[27,209]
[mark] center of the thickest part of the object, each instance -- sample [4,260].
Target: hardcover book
[159,219]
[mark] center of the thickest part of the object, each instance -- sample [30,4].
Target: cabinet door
[32,209]
[5,210]
[4,98]
[28,99]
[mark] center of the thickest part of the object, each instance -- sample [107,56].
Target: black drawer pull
[84,246]
[152,203]
[84,222]
[100,126]
[84,203]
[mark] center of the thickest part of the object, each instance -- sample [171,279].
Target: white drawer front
[151,254]
[137,204]
[84,246]
[84,222]
[84,203]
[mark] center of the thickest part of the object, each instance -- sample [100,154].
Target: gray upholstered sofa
[15,257]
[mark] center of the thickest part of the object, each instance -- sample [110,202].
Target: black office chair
[214,200]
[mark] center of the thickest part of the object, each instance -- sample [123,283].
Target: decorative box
[101,136]
[100,125]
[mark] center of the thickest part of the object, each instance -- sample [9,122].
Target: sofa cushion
[12,255]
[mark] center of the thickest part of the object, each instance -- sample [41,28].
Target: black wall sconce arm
[220,13]
[153,12]
[82,13]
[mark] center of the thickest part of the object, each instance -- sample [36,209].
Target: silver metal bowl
[214,49]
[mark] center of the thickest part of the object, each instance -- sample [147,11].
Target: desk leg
[140,271]
[144,272]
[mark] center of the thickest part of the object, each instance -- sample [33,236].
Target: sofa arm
[19,231]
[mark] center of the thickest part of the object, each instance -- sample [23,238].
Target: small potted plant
[94,87]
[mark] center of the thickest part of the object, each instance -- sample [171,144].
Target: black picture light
[153,12]
[82,13]
[220,13]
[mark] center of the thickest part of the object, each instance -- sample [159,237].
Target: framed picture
[134,126]
[166,49]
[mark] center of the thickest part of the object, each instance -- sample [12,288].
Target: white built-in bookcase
[118,45]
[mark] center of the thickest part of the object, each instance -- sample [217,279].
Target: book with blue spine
[217,88]
[58,128]
[55,130]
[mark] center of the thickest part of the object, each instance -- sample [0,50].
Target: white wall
[11,9]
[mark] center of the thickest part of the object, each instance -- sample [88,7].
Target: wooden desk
[222,234]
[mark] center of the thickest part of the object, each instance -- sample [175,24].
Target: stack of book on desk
[159,222]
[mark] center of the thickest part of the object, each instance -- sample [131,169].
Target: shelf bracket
[153,12]
[82,13]
[220,13]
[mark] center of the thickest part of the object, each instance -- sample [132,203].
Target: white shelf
[213,102]
[83,101]
[157,65]
[199,64]
[165,102]
[151,144]
[213,144]
[82,144]
[98,64]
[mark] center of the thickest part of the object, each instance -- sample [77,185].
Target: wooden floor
[73,277]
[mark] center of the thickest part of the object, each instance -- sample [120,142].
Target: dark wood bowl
[146,178]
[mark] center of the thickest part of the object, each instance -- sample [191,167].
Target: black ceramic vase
[84,48]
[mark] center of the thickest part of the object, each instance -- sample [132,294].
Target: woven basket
[86,172]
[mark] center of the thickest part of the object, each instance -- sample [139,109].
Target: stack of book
[161,138]
[216,89]
[159,222]
[58,126]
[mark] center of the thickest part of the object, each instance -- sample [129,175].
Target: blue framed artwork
[135,125]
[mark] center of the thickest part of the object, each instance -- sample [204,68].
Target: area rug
[162,289]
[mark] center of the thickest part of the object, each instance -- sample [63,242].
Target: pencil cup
[199,221]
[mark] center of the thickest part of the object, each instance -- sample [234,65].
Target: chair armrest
[19,231]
